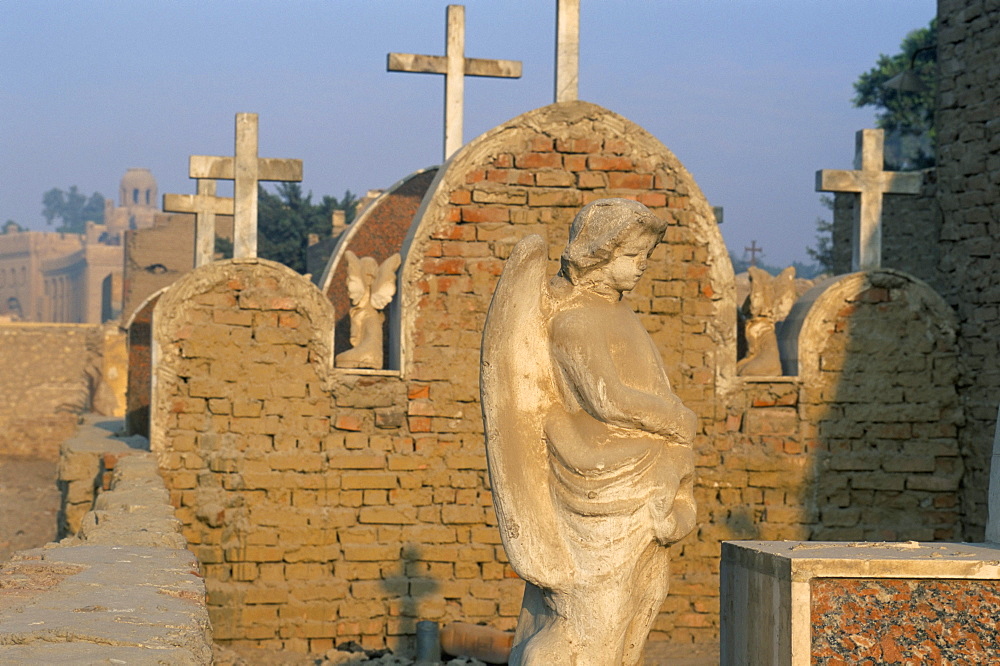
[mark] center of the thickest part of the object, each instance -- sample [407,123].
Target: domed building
[53,276]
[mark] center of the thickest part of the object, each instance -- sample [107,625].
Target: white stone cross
[455,66]
[567,50]
[871,182]
[246,170]
[205,206]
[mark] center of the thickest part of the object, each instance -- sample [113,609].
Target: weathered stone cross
[871,182]
[455,66]
[246,170]
[753,250]
[567,50]
[205,206]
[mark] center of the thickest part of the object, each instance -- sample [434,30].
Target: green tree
[73,209]
[822,253]
[906,116]
[287,217]
[11,227]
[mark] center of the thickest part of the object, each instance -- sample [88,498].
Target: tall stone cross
[246,170]
[567,50]
[455,67]
[205,206]
[871,183]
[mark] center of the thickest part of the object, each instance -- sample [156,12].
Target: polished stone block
[798,603]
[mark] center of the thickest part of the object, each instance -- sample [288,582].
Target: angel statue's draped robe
[586,499]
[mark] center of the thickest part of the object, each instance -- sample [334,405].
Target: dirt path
[29,502]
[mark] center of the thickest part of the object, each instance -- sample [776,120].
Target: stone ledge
[124,588]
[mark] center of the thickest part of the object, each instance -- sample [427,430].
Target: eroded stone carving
[589,449]
[769,302]
[370,286]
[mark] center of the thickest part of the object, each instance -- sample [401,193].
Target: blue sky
[752,95]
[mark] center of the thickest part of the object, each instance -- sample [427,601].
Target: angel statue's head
[371,283]
[609,243]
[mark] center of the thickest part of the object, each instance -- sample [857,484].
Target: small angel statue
[370,286]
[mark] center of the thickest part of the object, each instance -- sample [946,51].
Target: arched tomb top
[816,314]
[532,174]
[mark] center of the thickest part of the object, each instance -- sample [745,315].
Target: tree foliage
[907,117]
[286,218]
[822,253]
[73,209]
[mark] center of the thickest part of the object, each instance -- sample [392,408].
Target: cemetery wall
[968,173]
[46,383]
[392,518]
[327,505]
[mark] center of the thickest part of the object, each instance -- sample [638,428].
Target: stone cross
[567,50]
[753,250]
[871,182]
[246,170]
[455,66]
[205,206]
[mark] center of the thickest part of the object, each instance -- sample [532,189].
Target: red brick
[289,320]
[653,199]
[542,144]
[420,424]
[418,392]
[450,266]
[460,197]
[632,181]
[347,422]
[489,214]
[616,146]
[476,176]
[503,161]
[606,163]
[575,162]
[538,161]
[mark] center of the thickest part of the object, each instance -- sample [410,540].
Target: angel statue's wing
[384,285]
[354,277]
[517,387]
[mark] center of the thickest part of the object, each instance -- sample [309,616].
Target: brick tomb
[326,505]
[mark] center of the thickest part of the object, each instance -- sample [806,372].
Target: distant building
[75,278]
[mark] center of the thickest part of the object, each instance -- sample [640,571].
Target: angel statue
[370,286]
[589,449]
